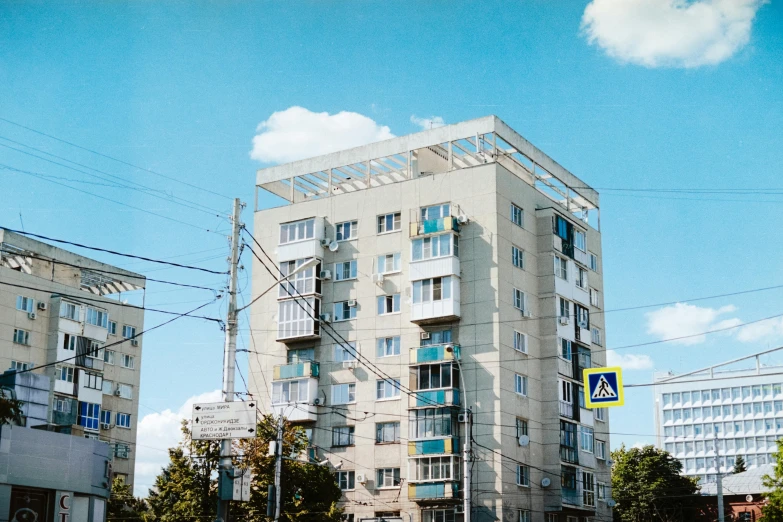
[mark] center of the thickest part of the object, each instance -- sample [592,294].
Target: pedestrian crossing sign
[604,387]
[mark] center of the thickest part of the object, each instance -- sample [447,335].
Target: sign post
[604,387]
[224,420]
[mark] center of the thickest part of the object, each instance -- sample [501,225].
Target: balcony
[434,267]
[293,399]
[569,410]
[298,319]
[569,454]
[65,418]
[296,370]
[434,447]
[304,248]
[433,312]
[296,412]
[434,226]
[571,496]
[433,491]
[434,353]
[434,398]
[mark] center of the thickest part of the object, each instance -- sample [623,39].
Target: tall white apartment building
[56,306]
[733,412]
[459,269]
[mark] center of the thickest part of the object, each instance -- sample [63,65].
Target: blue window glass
[89,415]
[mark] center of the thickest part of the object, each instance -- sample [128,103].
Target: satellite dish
[749,498]
[611,502]
[545,482]
[333,246]
[524,440]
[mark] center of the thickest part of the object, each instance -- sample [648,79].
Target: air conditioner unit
[462,418]
[459,508]
[117,392]
[361,478]
[352,303]
[326,318]
[527,313]
[31,315]
[105,426]
[564,319]
[317,401]
[326,274]
[425,336]
[42,306]
[377,278]
[349,364]
[134,342]
[325,242]
[462,219]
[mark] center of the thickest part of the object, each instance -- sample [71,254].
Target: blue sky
[645,96]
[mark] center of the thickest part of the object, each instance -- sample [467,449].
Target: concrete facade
[58,306]
[481,186]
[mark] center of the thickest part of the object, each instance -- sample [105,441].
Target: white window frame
[600,414]
[344,393]
[520,341]
[600,449]
[595,336]
[123,420]
[563,342]
[25,304]
[385,478]
[383,221]
[388,304]
[93,381]
[387,389]
[347,477]
[108,356]
[523,515]
[343,436]
[290,392]
[65,371]
[424,248]
[561,267]
[126,390]
[523,475]
[387,346]
[582,316]
[581,278]
[577,242]
[339,270]
[517,215]
[586,439]
[593,262]
[340,229]
[20,366]
[127,361]
[383,261]
[522,427]
[382,429]
[519,300]
[108,387]
[300,233]
[442,210]
[520,385]
[303,282]
[434,468]
[21,337]
[601,491]
[345,354]
[343,307]
[594,297]
[517,257]
[70,311]
[588,494]
[112,327]
[424,290]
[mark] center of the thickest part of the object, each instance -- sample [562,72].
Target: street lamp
[304,266]
[466,444]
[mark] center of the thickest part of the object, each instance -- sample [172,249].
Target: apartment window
[387,478]
[565,349]
[588,489]
[435,246]
[519,300]
[517,216]
[108,387]
[434,468]
[561,268]
[389,263]
[435,212]
[600,414]
[518,257]
[303,282]
[587,438]
[523,475]
[435,289]
[601,489]
[523,515]
[388,304]
[345,352]
[344,312]
[581,278]
[95,351]
[112,327]
[98,317]
[520,342]
[61,404]
[595,336]
[582,316]
[106,416]
[126,391]
[389,222]
[594,297]
[388,346]
[297,231]
[387,432]
[438,515]
[343,393]
[69,310]
[93,381]
[434,376]
[564,308]
[345,480]
[346,230]
[387,389]
[25,304]
[64,373]
[21,366]
[300,355]
[69,342]
[288,392]
[21,336]
[108,356]
[437,337]
[342,436]
[600,449]
[89,415]
[579,240]
[431,422]
[345,270]
[520,385]
[127,361]
[521,428]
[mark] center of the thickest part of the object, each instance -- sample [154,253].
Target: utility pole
[278,466]
[229,360]
[720,479]
[466,463]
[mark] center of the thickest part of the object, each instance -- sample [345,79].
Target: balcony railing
[422,492]
[566,409]
[433,226]
[296,370]
[434,353]
[569,454]
[571,496]
[434,447]
[434,398]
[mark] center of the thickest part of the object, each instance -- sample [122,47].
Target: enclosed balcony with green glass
[434,353]
[296,370]
[434,219]
[434,385]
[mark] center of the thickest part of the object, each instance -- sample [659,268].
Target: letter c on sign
[65,502]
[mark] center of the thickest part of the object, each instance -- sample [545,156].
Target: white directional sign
[224,420]
[242,480]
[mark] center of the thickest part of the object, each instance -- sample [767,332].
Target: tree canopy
[772,510]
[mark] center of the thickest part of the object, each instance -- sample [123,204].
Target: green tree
[739,464]
[10,409]
[123,505]
[772,510]
[648,487]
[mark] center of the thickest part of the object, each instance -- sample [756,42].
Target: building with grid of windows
[459,276]
[59,306]
[733,412]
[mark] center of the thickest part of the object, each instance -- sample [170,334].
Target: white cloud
[639,445]
[428,123]
[670,33]
[769,329]
[297,133]
[156,433]
[628,361]
[682,319]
